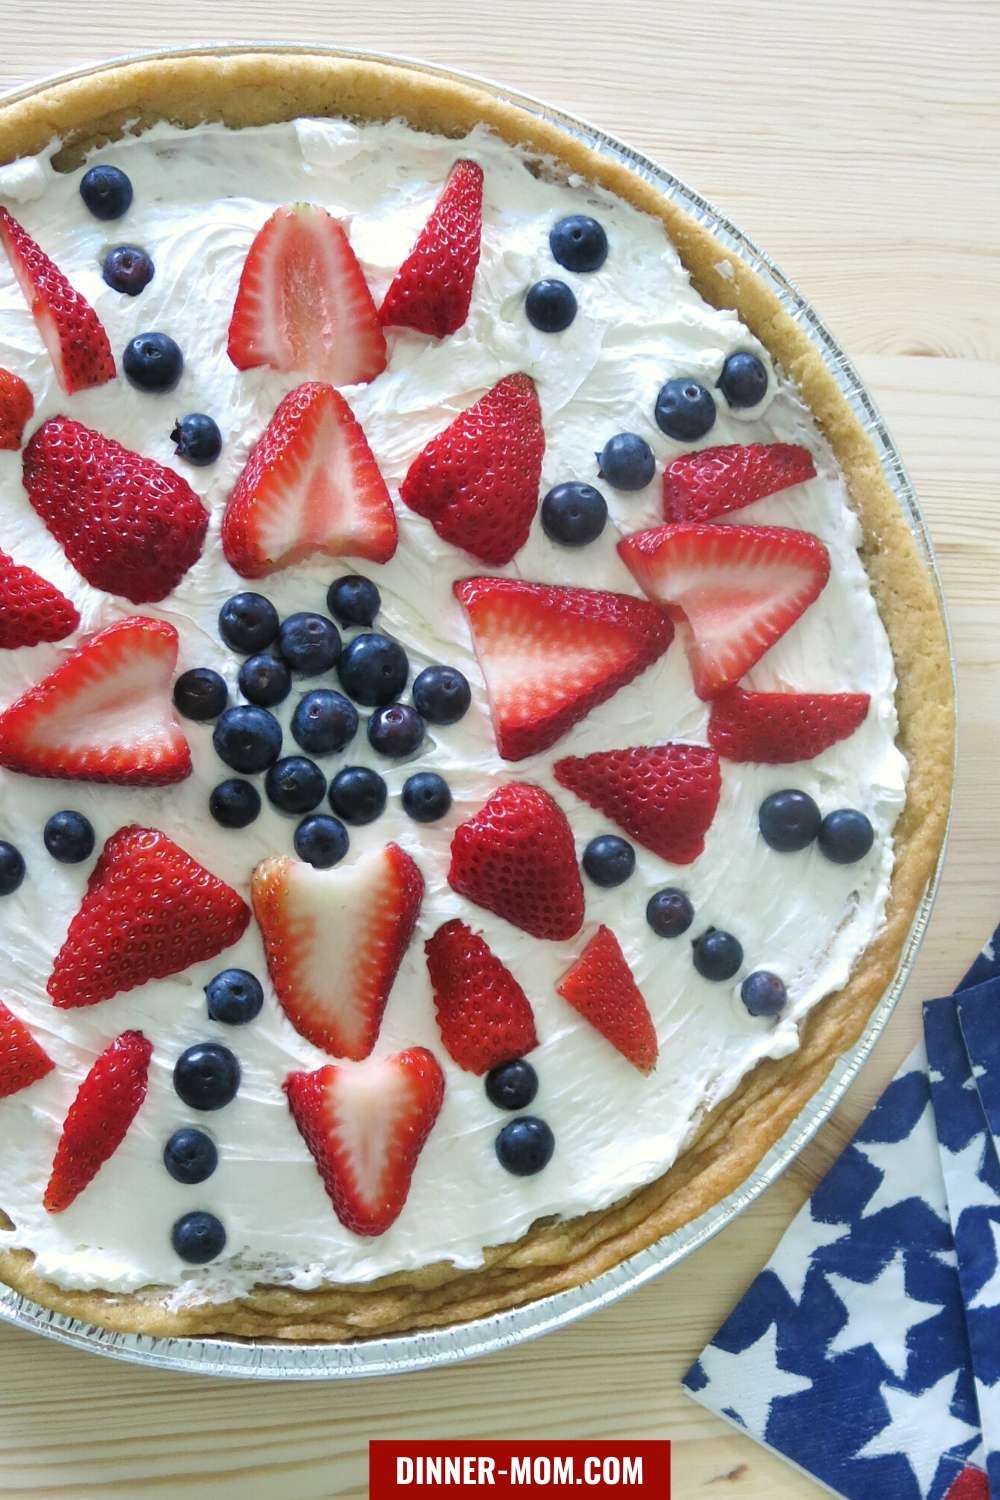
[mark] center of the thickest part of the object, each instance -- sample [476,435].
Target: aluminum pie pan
[276,1360]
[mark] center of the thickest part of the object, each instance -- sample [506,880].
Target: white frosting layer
[199,198]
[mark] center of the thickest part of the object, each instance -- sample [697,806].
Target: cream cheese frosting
[200,196]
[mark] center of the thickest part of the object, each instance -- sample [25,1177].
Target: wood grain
[861,145]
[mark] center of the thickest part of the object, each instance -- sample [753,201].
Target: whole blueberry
[324,722]
[197,439]
[309,643]
[579,243]
[321,841]
[234,803]
[717,955]
[373,669]
[525,1146]
[106,191]
[845,836]
[200,694]
[153,362]
[550,305]
[190,1156]
[608,860]
[669,912]
[441,694]
[198,1238]
[248,622]
[207,1075]
[353,600]
[127,269]
[426,797]
[763,994]
[295,785]
[788,821]
[357,794]
[574,514]
[396,730]
[11,868]
[69,837]
[684,410]
[248,739]
[743,381]
[265,680]
[234,997]
[512,1085]
[626,461]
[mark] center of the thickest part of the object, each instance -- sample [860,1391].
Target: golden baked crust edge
[258,87]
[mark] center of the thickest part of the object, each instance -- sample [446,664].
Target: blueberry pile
[525,1145]
[716,955]
[790,821]
[68,837]
[579,244]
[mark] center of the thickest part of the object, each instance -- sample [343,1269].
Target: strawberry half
[432,289]
[303,302]
[127,524]
[69,326]
[663,796]
[365,1125]
[477,482]
[334,941]
[600,987]
[776,728]
[31,610]
[22,1060]
[711,481]
[738,587]
[310,485]
[484,1015]
[17,406]
[550,654]
[516,857]
[97,1121]
[149,911]
[105,714]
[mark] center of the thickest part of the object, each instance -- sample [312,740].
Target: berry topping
[153,362]
[97,1121]
[190,1156]
[845,836]
[248,623]
[525,1146]
[789,821]
[578,243]
[743,381]
[234,997]
[550,654]
[247,739]
[626,461]
[200,694]
[515,857]
[684,410]
[234,803]
[303,303]
[740,588]
[334,941]
[295,785]
[608,860]
[310,485]
[550,305]
[663,796]
[482,1011]
[106,191]
[353,600]
[324,722]
[717,955]
[31,610]
[17,407]
[776,728]
[69,837]
[441,695]
[763,994]
[373,669]
[426,797]
[265,680]
[309,643]
[600,987]
[574,514]
[197,439]
[12,870]
[127,269]
[669,912]
[477,481]
[104,714]
[22,1060]
[396,731]
[357,794]
[366,1127]
[432,289]
[713,481]
[198,1237]
[127,524]
[207,1076]
[512,1085]
[321,841]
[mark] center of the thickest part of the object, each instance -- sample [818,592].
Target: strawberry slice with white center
[550,654]
[365,1125]
[600,987]
[432,289]
[69,326]
[740,588]
[105,714]
[303,302]
[22,1060]
[334,941]
[310,485]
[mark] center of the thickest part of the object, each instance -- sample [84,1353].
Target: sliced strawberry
[31,610]
[432,289]
[17,406]
[601,988]
[22,1060]
[477,481]
[484,1015]
[105,714]
[663,796]
[127,524]
[365,1125]
[72,331]
[738,587]
[516,857]
[303,303]
[711,481]
[551,654]
[310,485]
[149,911]
[334,941]
[97,1121]
[776,728]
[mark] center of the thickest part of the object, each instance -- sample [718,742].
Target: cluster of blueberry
[790,821]
[69,838]
[578,243]
[525,1145]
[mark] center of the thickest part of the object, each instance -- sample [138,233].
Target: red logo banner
[519,1471]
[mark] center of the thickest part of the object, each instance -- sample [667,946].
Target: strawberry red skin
[22,1060]
[601,988]
[516,857]
[484,1016]
[31,610]
[72,331]
[99,1117]
[149,911]
[777,728]
[432,289]
[710,482]
[17,407]
[664,796]
[477,481]
[127,524]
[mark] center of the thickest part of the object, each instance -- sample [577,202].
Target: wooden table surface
[860,144]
